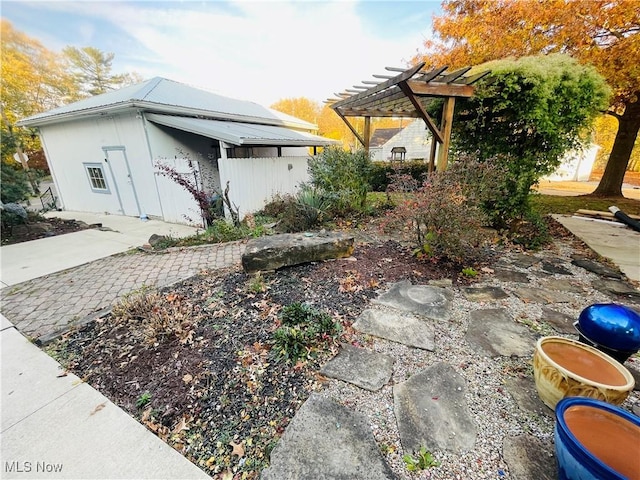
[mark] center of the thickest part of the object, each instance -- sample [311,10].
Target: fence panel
[254,181]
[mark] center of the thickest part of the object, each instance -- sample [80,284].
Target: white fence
[254,181]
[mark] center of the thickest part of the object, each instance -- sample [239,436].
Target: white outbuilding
[106,152]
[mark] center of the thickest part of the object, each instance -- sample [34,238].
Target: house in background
[576,165]
[104,151]
[415,139]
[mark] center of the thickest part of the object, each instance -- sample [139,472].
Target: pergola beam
[353,130]
[433,89]
[408,95]
[421,111]
[407,74]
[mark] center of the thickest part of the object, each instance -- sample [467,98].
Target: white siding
[254,181]
[576,165]
[172,147]
[71,144]
[415,137]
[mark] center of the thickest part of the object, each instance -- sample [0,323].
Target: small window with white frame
[97,179]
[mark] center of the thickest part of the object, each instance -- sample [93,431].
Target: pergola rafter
[407,94]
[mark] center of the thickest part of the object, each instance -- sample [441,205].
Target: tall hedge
[528,113]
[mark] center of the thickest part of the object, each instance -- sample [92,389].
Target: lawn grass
[545,204]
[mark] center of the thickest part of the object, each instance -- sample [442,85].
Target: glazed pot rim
[567,402]
[618,366]
[578,328]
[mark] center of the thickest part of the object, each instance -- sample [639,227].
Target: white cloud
[263,51]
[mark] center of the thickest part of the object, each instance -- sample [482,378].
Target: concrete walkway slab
[28,260]
[57,427]
[620,245]
[25,370]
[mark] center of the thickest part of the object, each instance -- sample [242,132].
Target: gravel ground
[213,387]
[494,411]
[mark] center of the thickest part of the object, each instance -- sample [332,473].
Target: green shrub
[527,114]
[531,231]
[15,184]
[307,209]
[382,173]
[343,176]
[304,330]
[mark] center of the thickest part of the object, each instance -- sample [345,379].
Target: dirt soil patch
[43,228]
[195,365]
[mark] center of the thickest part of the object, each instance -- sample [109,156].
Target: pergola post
[445,128]
[367,134]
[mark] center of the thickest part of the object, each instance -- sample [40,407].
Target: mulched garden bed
[194,362]
[43,228]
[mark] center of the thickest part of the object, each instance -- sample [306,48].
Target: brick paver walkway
[47,305]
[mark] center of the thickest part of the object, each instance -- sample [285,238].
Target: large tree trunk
[628,126]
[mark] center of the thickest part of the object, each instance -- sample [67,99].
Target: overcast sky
[255,50]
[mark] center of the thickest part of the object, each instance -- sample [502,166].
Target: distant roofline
[153,107]
[136,101]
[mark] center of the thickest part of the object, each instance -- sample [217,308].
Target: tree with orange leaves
[604,33]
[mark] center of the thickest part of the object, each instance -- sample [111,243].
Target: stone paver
[529,457]
[494,333]
[595,267]
[563,285]
[540,295]
[483,294]
[523,260]
[523,391]
[562,322]
[431,411]
[365,369]
[326,441]
[555,268]
[508,275]
[617,288]
[84,290]
[403,327]
[429,301]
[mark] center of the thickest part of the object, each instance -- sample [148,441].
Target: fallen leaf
[187,378]
[238,449]
[227,475]
[182,425]
[172,297]
[98,408]
[487,270]
[146,414]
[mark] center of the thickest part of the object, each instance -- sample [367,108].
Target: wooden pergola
[407,94]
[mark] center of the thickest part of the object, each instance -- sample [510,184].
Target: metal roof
[240,133]
[167,96]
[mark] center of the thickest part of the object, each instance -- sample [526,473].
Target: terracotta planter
[596,441]
[567,368]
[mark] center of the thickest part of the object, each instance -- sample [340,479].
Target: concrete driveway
[29,260]
[618,243]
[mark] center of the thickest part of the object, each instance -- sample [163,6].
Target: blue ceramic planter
[604,425]
[611,325]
